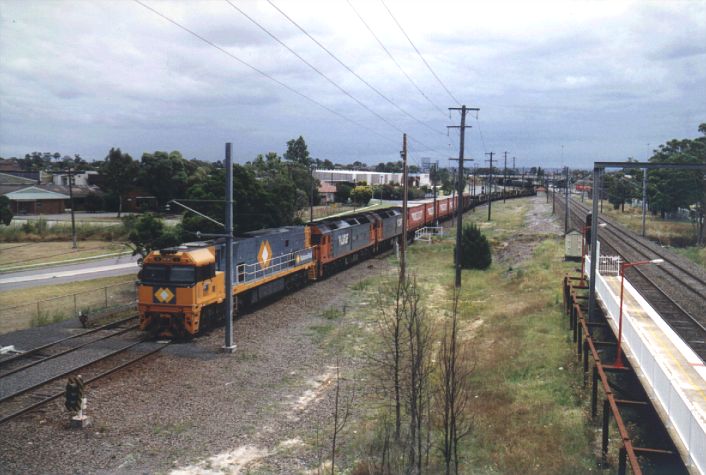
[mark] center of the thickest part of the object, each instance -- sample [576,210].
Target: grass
[24,308]
[666,232]
[39,231]
[529,415]
[696,254]
[17,254]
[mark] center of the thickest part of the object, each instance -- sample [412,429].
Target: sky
[557,83]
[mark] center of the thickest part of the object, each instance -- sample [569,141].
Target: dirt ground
[194,409]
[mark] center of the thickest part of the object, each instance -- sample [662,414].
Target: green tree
[361,195]
[5,211]
[343,192]
[164,175]
[475,249]
[149,233]
[120,172]
[298,152]
[621,189]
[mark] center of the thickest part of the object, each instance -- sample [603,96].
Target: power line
[443,112]
[420,54]
[323,75]
[352,71]
[263,73]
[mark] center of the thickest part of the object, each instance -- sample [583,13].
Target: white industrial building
[371,178]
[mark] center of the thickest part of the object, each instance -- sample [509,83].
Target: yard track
[676,289]
[36,383]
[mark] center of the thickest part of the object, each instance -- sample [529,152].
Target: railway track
[676,289]
[38,378]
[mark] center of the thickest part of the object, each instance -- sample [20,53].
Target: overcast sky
[601,79]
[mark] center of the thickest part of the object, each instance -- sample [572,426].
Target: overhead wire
[323,75]
[349,69]
[456,101]
[263,73]
[382,45]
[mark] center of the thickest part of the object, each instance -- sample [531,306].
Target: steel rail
[672,312]
[47,345]
[87,382]
[615,230]
[61,375]
[68,350]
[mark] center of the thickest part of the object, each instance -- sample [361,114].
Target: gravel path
[193,409]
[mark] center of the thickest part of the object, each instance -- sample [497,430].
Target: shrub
[475,249]
[361,195]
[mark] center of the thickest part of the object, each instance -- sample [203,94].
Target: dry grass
[16,254]
[529,416]
[666,232]
[36,306]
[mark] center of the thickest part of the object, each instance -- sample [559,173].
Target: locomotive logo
[164,295]
[264,256]
[342,239]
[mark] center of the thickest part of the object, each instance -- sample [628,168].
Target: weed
[332,313]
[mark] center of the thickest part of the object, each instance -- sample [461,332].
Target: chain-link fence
[66,306]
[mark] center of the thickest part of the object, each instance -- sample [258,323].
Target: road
[114,266]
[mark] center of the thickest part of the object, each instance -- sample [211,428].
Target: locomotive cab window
[154,273]
[182,274]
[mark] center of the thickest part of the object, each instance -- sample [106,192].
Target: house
[36,200]
[327,193]
[80,179]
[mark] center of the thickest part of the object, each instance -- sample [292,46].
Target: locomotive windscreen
[159,274]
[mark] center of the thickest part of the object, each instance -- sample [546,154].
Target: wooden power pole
[461,183]
[490,181]
[403,244]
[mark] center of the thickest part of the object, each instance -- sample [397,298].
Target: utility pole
[566,211]
[403,246]
[490,182]
[644,200]
[435,169]
[461,186]
[229,346]
[553,192]
[504,176]
[475,177]
[311,193]
[71,200]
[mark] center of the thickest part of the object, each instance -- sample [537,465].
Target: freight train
[182,289]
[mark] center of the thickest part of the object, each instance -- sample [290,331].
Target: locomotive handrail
[254,271]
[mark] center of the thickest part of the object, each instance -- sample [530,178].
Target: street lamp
[623,266]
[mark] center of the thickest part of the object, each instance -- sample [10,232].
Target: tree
[5,211]
[455,367]
[149,233]
[475,250]
[297,152]
[361,195]
[93,202]
[120,172]
[669,190]
[343,192]
[164,175]
[621,188]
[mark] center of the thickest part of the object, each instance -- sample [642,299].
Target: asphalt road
[114,266]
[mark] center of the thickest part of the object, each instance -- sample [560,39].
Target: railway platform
[672,374]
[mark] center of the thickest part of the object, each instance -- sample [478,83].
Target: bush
[5,211]
[475,250]
[361,195]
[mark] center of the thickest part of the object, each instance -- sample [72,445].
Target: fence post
[75,308]
[106,296]
[38,311]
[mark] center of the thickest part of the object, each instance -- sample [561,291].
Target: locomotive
[182,289]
